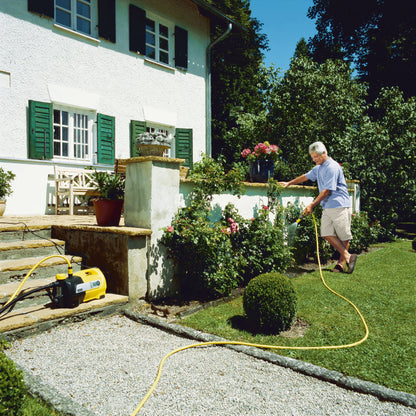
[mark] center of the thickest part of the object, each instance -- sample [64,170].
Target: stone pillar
[151,201]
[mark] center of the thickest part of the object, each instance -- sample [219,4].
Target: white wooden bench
[70,183]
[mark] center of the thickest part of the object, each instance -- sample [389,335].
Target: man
[335,201]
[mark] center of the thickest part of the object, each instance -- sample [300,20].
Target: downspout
[208,144]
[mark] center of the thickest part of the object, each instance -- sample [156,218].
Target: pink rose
[169,229]
[245,152]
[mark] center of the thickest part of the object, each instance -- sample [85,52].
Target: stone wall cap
[140,159]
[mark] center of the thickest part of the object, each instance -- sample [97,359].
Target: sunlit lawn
[383,287]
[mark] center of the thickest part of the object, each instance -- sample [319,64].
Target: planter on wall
[108,211]
[261,170]
[153,144]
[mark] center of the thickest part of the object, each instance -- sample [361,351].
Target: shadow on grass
[242,323]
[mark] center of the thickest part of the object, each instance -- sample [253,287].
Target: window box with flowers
[262,161]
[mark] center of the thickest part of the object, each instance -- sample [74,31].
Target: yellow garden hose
[277,347]
[33,269]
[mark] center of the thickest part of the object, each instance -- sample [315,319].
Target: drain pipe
[208,144]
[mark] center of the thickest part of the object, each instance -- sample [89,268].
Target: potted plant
[6,178]
[109,205]
[262,161]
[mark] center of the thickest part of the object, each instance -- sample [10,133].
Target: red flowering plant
[262,151]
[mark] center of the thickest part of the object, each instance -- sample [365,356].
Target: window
[72,133]
[75,14]
[157,41]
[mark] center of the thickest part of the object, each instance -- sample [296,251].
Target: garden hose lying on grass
[68,291]
[277,347]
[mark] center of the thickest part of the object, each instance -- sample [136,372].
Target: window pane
[56,116]
[150,39]
[65,134]
[164,31]
[150,52]
[164,44]
[83,9]
[63,18]
[66,4]
[56,148]
[56,133]
[150,25]
[65,118]
[83,26]
[164,57]
[64,149]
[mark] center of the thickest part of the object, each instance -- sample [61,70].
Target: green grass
[383,287]
[36,407]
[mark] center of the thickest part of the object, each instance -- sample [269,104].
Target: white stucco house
[80,79]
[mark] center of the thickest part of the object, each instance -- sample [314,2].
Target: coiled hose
[276,347]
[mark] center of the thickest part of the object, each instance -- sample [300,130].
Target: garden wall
[154,193]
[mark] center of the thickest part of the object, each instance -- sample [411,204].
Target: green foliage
[213,256]
[12,387]
[379,37]
[314,102]
[269,302]
[414,244]
[384,160]
[363,233]
[6,178]
[110,185]
[304,244]
[235,63]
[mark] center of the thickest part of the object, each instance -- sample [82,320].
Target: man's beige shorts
[336,222]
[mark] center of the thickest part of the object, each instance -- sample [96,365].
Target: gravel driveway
[104,366]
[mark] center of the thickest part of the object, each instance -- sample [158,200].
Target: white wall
[39,61]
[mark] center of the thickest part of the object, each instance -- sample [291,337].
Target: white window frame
[74,16]
[74,133]
[159,40]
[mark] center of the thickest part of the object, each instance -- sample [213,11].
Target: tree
[378,36]
[315,102]
[235,63]
[384,159]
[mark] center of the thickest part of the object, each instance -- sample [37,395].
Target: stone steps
[21,250]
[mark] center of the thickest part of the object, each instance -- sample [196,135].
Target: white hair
[317,147]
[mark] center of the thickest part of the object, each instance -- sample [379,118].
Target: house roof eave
[207,10]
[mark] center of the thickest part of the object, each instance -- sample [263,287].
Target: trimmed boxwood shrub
[269,302]
[12,387]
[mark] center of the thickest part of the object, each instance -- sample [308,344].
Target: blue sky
[285,23]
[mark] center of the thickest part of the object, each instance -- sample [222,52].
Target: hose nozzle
[300,218]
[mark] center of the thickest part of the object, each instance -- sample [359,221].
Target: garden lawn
[383,287]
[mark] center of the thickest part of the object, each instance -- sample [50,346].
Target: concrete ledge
[28,317]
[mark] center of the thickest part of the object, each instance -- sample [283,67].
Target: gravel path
[107,365]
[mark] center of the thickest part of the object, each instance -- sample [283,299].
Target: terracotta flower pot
[108,211]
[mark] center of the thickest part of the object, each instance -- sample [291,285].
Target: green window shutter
[136,127]
[105,139]
[137,29]
[181,48]
[40,130]
[183,142]
[42,7]
[107,20]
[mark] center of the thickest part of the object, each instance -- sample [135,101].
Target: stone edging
[335,377]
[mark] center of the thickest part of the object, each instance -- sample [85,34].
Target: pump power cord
[276,347]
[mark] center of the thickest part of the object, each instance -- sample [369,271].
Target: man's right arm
[296,181]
